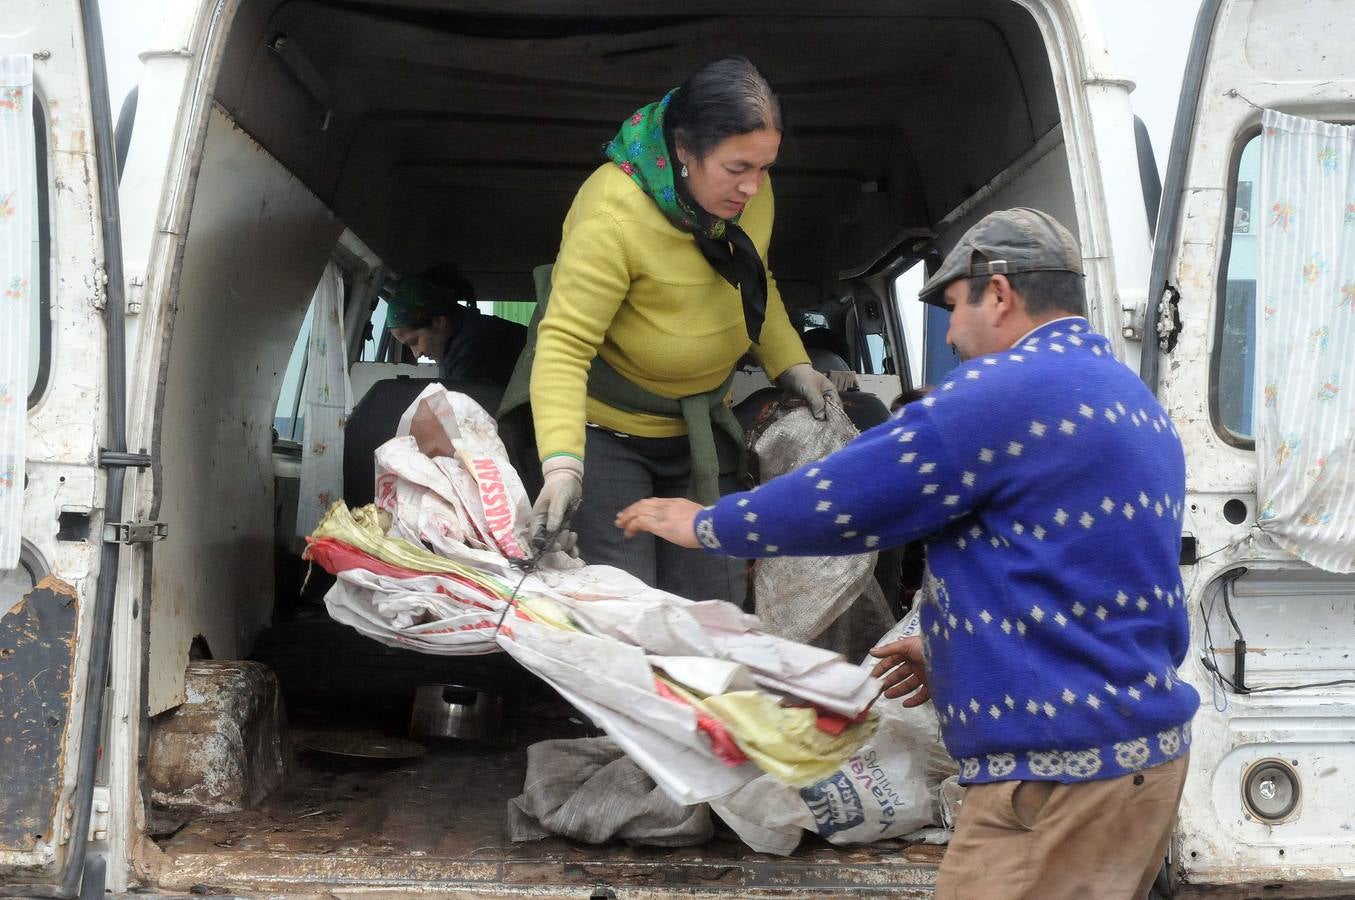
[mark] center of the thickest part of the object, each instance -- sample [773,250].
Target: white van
[271,138]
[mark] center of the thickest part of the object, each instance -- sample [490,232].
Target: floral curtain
[18,193]
[325,404]
[1305,326]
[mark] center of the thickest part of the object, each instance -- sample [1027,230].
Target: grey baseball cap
[1008,241]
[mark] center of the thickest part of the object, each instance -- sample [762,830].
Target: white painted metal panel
[257,243]
[64,427]
[1288,55]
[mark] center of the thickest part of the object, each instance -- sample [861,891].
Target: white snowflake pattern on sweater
[1049,486]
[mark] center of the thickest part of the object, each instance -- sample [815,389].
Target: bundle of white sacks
[600,636]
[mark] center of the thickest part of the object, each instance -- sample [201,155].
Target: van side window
[940,358]
[877,361]
[1235,346]
[930,358]
[376,329]
[287,419]
[519,311]
[39,294]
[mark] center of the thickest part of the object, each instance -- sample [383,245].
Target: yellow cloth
[365,528]
[630,287]
[783,741]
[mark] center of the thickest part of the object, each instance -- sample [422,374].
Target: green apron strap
[704,486]
[716,438]
[518,393]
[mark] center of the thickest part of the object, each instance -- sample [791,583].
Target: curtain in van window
[325,396]
[1305,353]
[18,193]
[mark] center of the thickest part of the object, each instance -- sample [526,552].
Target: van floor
[436,823]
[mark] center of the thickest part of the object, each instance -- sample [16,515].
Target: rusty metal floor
[436,824]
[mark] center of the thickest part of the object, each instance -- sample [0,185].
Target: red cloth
[721,743]
[335,556]
[835,724]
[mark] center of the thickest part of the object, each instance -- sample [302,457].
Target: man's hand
[674,520]
[906,668]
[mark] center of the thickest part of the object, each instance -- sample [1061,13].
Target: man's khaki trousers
[1046,840]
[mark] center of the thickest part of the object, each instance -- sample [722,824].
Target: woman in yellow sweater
[660,286]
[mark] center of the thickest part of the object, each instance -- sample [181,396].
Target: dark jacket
[484,348]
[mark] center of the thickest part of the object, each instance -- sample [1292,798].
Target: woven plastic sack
[801,597]
[891,787]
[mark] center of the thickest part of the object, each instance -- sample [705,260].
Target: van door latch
[135,532]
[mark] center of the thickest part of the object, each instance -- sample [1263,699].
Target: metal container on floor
[455,711]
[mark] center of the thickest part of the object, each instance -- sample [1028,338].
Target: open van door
[1267,800]
[67,455]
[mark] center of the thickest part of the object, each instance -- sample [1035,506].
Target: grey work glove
[564,553]
[560,495]
[811,386]
[843,381]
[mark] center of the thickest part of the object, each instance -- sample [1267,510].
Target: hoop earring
[684,170]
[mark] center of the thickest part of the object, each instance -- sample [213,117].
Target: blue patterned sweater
[1048,485]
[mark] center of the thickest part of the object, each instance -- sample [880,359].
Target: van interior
[395,135]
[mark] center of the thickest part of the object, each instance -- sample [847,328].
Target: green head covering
[641,151]
[416,301]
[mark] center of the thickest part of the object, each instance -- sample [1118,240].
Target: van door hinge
[100,804]
[1133,314]
[135,532]
[136,290]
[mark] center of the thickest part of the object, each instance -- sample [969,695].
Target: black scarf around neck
[734,256]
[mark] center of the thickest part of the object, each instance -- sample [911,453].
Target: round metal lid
[361,746]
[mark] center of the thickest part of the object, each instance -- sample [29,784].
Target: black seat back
[864,409]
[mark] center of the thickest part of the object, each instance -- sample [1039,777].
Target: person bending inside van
[427,314]
[1047,484]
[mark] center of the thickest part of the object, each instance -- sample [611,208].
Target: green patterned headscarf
[642,152]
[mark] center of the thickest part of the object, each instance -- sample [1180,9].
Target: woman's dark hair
[448,277]
[719,100]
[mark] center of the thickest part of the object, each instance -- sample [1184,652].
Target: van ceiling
[456,129]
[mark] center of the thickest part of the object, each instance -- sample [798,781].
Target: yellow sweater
[630,287]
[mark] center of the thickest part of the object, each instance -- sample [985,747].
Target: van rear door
[55,614]
[1287,728]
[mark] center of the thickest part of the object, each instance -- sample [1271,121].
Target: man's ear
[1008,302]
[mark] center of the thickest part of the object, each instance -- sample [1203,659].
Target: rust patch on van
[37,655]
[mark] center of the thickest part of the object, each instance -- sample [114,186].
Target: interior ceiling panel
[446,130]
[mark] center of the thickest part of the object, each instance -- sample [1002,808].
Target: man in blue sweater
[1048,485]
